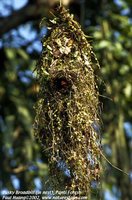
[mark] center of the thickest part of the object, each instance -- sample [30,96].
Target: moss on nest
[67,108]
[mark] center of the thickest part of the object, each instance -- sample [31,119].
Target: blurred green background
[23,165]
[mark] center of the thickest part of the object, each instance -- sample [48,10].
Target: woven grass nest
[67,107]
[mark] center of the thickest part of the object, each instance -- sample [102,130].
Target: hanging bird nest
[67,107]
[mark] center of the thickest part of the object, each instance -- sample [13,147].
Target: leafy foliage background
[23,165]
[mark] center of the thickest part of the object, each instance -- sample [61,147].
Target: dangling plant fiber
[67,107]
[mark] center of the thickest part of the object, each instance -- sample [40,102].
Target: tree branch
[27,13]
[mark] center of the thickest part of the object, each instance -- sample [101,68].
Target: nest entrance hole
[62,84]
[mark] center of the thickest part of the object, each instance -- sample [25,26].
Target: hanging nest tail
[67,108]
